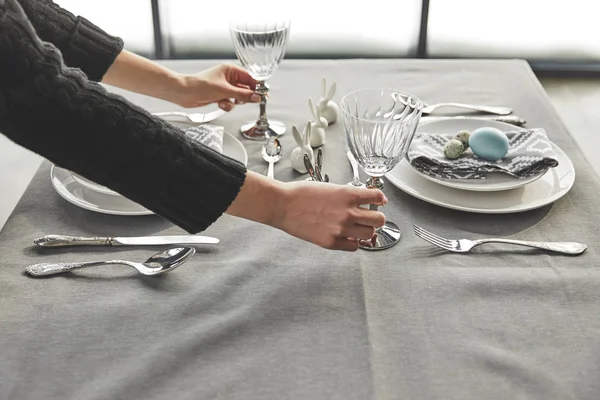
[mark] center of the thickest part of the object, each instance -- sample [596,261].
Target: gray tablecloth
[265,316]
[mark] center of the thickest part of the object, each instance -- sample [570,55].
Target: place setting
[517,169]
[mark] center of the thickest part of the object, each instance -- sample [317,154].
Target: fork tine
[444,246]
[435,243]
[433,239]
[433,235]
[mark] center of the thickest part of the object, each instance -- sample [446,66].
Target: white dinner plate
[496,181]
[86,194]
[553,185]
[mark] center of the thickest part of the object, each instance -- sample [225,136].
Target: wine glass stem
[375,182]
[262,88]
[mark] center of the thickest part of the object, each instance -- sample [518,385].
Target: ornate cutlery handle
[45,269]
[559,247]
[509,119]
[488,109]
[319,165]
[66,241]
[309,168]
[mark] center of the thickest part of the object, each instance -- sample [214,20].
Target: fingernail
[255,98]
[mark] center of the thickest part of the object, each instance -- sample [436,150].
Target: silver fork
[429,108]
[465,245]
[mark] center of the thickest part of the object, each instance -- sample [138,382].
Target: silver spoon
[159,263]
[271,153]
[356,180]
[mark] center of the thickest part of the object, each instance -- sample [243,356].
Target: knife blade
[69,241]
[509,119]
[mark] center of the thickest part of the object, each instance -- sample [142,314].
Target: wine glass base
[385,237]
[252,131]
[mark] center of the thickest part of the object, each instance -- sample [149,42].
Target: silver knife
[509,119]
[68,241]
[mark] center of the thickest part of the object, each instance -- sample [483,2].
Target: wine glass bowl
[380,125]
[260,47]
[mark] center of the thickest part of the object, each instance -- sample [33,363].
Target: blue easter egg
[489,143]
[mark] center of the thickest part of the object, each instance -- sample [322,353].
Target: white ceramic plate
[552,186]
[496,181]
[86,194]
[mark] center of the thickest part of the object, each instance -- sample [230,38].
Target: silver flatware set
[170,259]
[158,264]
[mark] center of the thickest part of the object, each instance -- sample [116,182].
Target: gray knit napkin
[209,135]
[530,153]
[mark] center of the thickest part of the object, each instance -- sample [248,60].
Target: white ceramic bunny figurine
[329,109]
[317,138]
[303,141]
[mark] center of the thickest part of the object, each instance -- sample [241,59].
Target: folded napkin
[530,153]
[209,135]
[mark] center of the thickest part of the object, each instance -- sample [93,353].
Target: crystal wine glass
[380,125]
[260,47]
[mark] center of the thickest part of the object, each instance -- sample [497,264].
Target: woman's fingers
[359,231]
[240,76]
[226,105]
[363,216]
[369,196]
[345,244]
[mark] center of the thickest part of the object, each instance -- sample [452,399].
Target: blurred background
[557,38]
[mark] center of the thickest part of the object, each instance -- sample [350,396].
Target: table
[265,316]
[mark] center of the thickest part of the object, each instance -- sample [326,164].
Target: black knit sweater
[61,114]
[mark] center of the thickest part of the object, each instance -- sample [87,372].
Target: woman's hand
[221,84]
[330,215]
[325,214]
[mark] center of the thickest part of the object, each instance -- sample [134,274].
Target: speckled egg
[463,136]
[489,143]
[453,149]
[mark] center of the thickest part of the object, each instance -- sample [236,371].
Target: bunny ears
[327,95]
[317,114]
[302,139]
[329,110]
[303,148]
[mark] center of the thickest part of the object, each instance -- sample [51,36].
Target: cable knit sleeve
[56,112]
[83,45]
